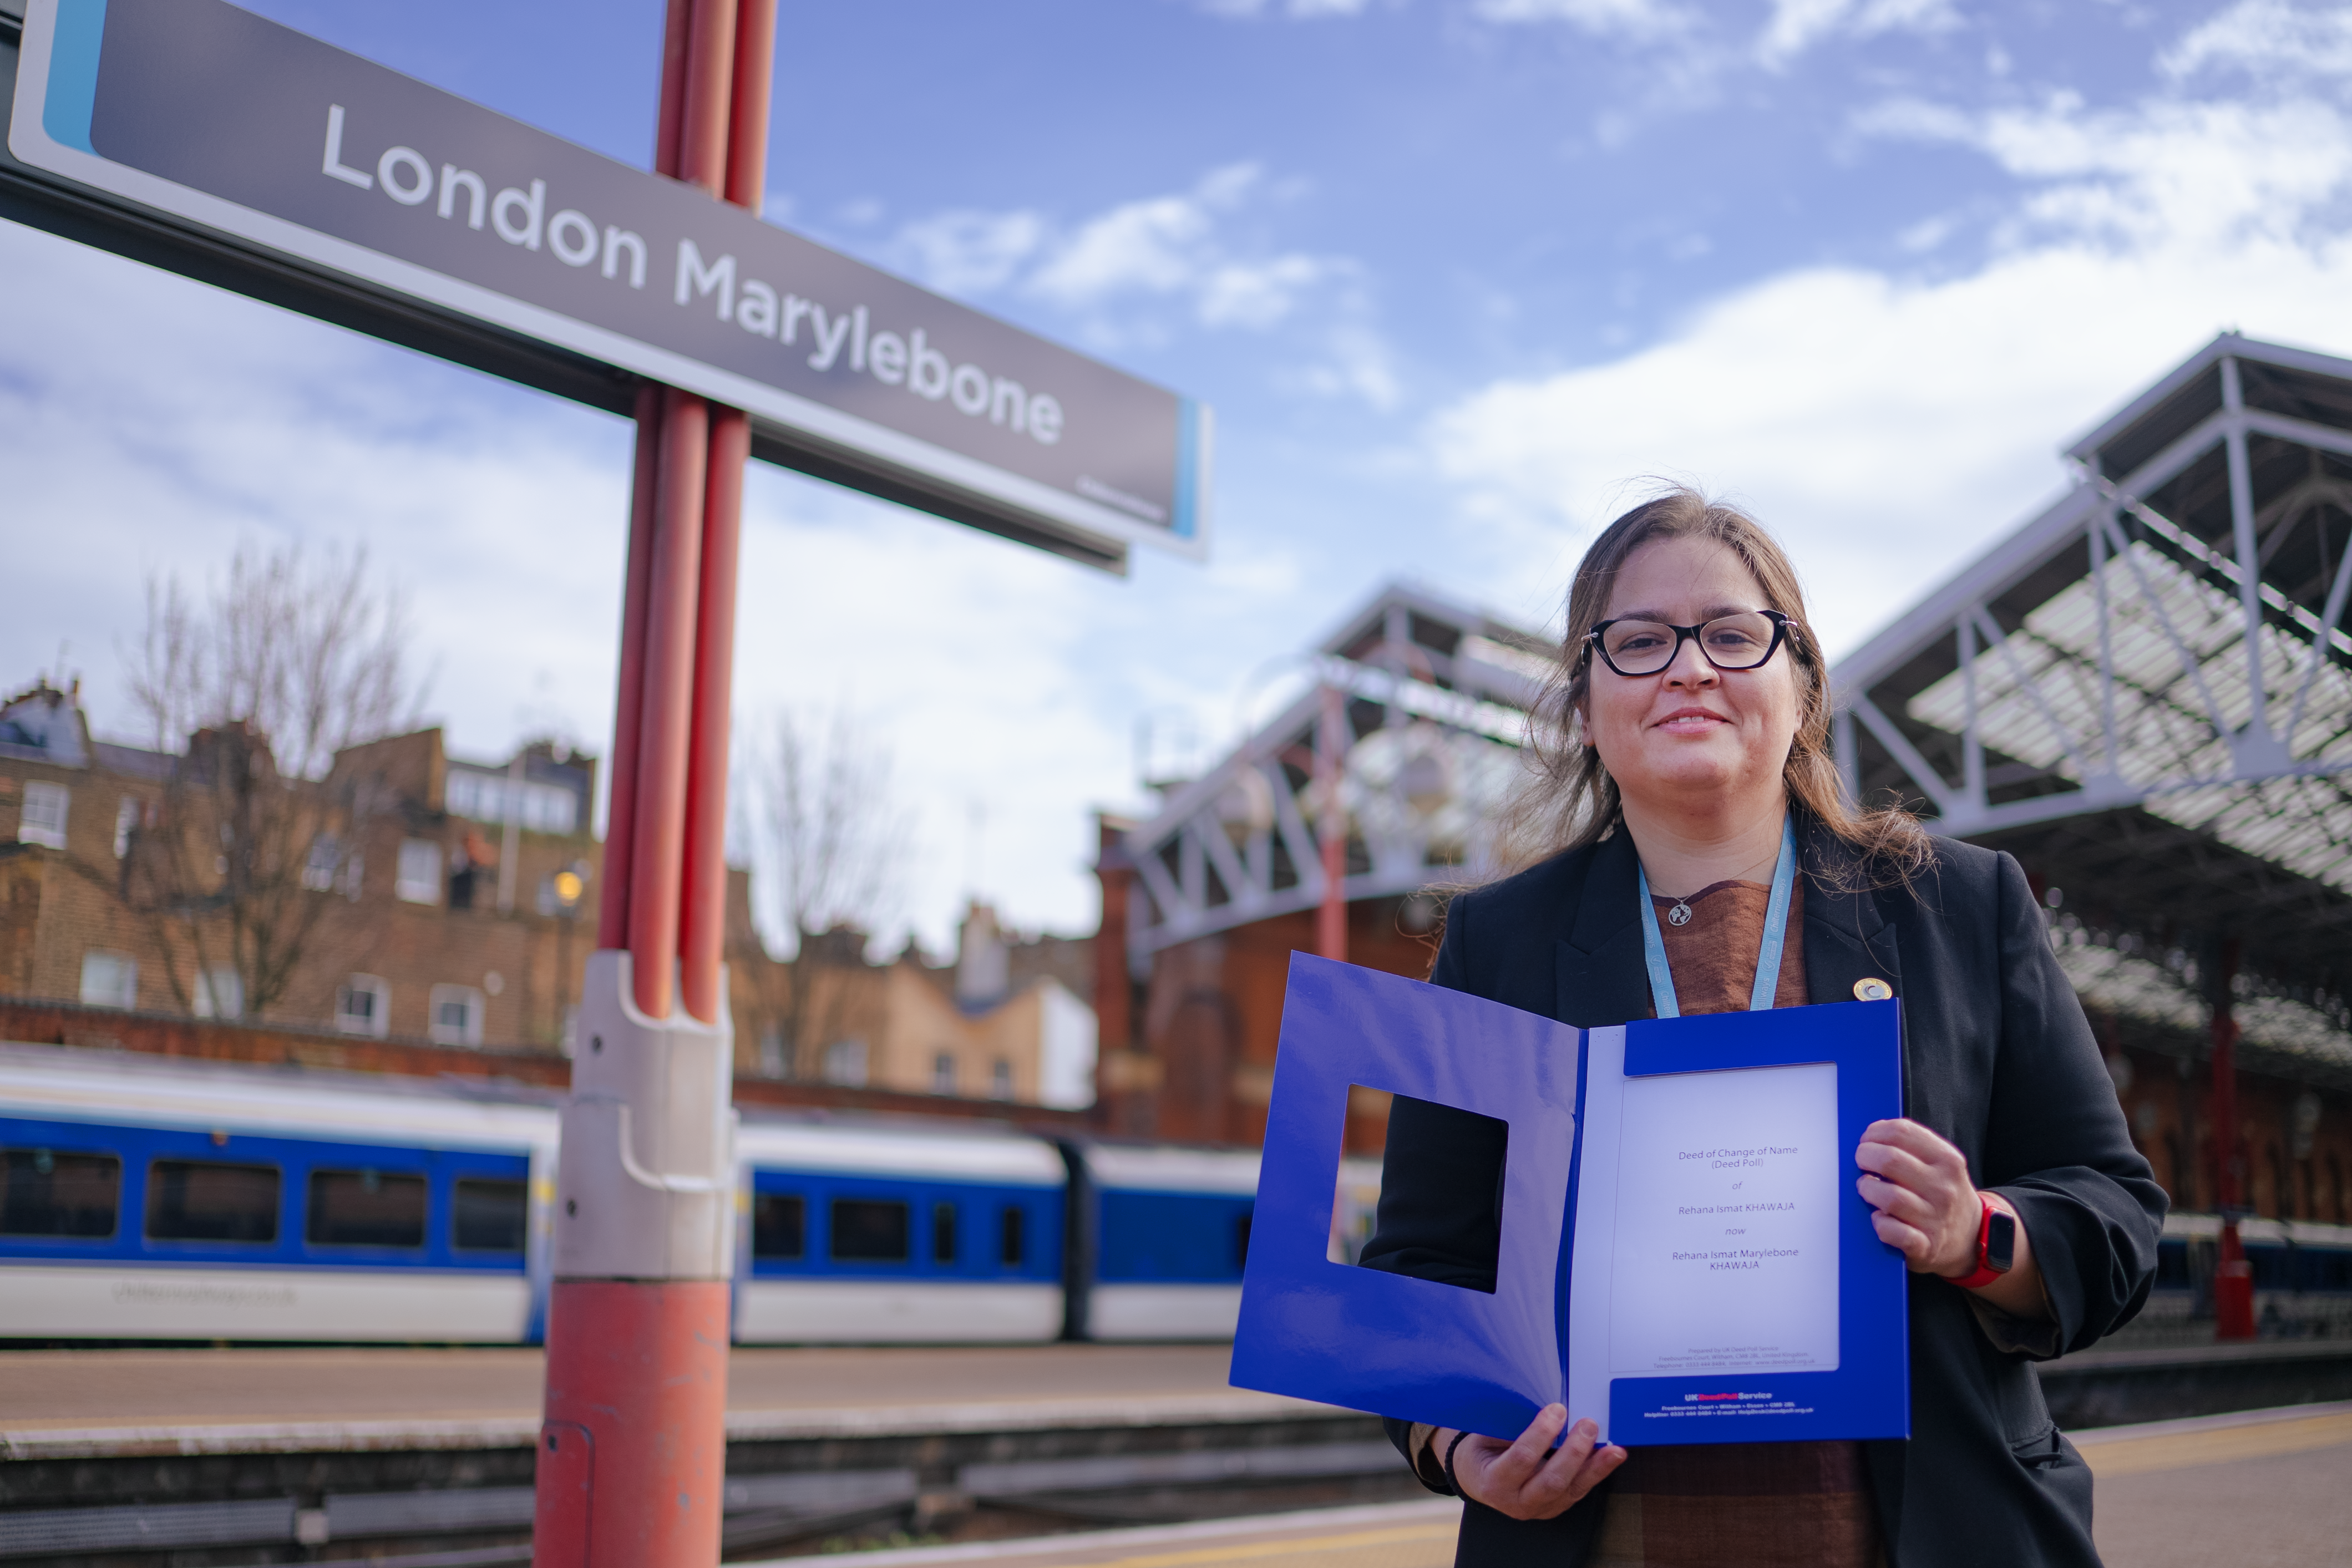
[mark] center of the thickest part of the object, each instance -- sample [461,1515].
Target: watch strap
[1984,1273]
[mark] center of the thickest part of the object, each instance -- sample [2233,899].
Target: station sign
[230,122]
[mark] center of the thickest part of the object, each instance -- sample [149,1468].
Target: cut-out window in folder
[1654,1223]
[1474,1147]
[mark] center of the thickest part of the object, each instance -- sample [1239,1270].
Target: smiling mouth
[1690,721]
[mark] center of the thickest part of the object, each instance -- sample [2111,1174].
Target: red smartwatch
[1996,1247]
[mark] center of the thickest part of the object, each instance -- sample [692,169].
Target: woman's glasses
[1741,642]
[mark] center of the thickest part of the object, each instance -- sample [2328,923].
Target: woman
[1695,726]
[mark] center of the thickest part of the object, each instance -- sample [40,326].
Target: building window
[844,1064]
[318,869]
[126,822]
[456,1015]
[110,980]
[488,797]
[999,1080]
[363,1006]
[419,879]
[220,992]
[943,1074]
[43,818]
[774,1062]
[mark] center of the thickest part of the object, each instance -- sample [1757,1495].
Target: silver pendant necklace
[1680,914]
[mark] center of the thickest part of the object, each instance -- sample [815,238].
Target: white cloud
[1128,274]
[965,252]
[2266,38]
[1797,25]
[1890,426]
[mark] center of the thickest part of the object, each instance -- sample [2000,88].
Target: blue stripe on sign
[1187,468]
[73,72]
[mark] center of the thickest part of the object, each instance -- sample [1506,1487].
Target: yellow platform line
[2190,1450]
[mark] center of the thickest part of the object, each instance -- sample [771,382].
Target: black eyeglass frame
[1784,628]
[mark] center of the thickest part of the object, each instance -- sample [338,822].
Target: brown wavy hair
[1570,801]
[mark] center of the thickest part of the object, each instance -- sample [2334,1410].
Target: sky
[1458,277]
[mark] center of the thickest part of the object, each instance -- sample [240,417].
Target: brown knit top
[1761,1505]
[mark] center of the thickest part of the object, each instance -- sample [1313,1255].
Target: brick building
[450,904]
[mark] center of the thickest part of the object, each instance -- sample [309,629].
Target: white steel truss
[2170,637]
[1436,702]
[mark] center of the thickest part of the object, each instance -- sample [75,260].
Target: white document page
[1706,1231]
[1727,1249]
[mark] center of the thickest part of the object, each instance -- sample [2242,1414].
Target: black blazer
[1997,1058]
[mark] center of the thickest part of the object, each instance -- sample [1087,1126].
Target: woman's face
[1690,735]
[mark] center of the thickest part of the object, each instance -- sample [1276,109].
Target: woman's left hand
[1928,1207]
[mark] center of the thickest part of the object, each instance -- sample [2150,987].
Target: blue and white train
[147,1200]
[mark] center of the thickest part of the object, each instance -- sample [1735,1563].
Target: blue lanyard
[1767,956]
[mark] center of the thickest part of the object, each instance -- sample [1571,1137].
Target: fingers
[1917,1247]
[1922,1144]
[1511,1470]
[1902,1203]
[1904,1168]
[1529,1479]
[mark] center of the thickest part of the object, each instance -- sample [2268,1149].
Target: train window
[365,1208]
[943,1233]
[489,1215]
[779,1225]
[1241,1239]
[204,1200]
[45,1193]
[1011,1248]
[869,1230]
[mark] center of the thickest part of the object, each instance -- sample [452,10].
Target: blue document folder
[1683,1256]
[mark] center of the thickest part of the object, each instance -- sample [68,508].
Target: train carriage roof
[77,1084]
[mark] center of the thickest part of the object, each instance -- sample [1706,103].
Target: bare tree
[830,842]
[275,671]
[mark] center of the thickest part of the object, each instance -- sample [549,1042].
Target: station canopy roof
[2144,693]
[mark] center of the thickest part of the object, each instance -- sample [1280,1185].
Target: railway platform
[412,1453]
[2255,1489]
[1013,1457]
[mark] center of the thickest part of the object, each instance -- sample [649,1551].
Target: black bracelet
[1451,1479]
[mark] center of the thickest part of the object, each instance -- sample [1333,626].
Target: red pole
[710,95]
[1332,919]
[2233,1278]
[621,807]
[669,121]
[703,912]
[657,851]
[632,1452]
[703,907]
[747,140]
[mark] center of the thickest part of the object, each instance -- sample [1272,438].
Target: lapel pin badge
[1871,989]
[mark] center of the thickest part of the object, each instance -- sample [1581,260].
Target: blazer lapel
[1847,940]
[1603,977]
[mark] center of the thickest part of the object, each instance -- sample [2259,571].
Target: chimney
[982,972]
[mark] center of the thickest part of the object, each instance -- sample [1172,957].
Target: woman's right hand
[1529,1479]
